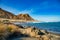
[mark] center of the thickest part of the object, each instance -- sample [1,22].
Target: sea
[49,26]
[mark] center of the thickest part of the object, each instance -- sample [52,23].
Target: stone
[45,37]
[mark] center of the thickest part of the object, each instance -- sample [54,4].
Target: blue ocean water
[49,26]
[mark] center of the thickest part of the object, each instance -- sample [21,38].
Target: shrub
[3,32]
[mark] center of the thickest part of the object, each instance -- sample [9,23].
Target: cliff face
[8,15]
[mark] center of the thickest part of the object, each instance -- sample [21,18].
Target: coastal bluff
[8,15]
[11,31]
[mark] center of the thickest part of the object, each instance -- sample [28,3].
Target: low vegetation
[6,30]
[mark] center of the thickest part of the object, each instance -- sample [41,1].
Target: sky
[42,10]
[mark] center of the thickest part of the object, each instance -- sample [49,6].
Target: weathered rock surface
[30,32]
[36,34]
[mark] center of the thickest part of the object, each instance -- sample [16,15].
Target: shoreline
[11,30]
[39,28]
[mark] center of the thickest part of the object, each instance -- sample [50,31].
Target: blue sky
[43,10]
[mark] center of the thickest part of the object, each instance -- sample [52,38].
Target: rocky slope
[24,17]
[11,31]
[6,14]
[9,15]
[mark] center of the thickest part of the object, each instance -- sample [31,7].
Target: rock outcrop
[9,15]
[7,30]
[30,31]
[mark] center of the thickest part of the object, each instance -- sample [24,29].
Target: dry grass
[3,31]
[2,27]
[6,30]
[12,28]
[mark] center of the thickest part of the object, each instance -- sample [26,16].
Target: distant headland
[10,16]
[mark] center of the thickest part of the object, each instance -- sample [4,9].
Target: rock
[37,36]
[32,32]
[45,37]
[44,31]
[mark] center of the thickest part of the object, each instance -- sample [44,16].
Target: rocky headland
[11,17]
[12,32]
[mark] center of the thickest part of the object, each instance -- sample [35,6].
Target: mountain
[25,17]
[9,15]
[6,14]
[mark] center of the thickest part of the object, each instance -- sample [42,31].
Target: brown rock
[45,37]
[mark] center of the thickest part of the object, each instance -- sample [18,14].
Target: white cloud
[26,11]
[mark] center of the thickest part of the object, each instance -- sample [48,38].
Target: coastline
[19,32]
[54,36]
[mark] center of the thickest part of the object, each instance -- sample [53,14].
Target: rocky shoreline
[14,32]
